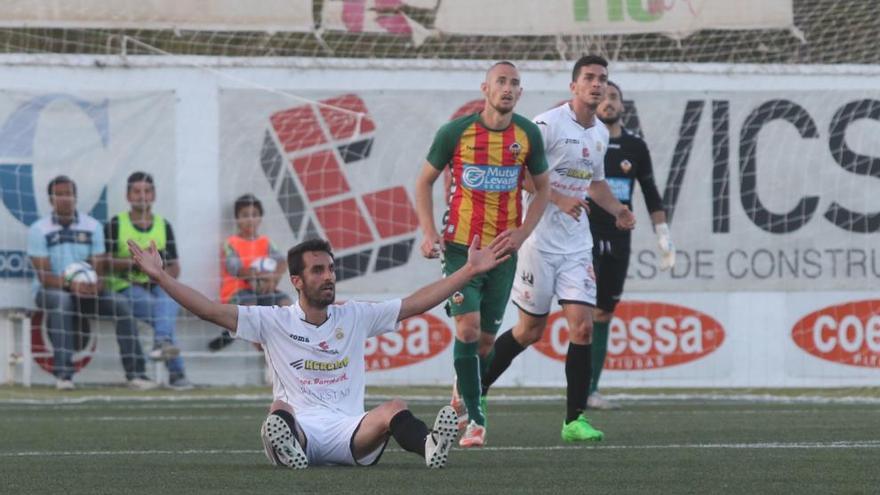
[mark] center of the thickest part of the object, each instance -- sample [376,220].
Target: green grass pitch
[101,441]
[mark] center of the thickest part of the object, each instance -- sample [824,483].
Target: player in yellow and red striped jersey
[488,153]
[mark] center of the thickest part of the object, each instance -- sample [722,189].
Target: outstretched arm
[479,261]
[150,263]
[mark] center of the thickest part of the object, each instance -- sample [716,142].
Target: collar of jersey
[302,315]
[574,118]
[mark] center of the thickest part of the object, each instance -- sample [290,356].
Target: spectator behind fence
[55,244]
[251,265]
[148,301]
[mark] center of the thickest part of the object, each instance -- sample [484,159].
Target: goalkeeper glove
[667,248]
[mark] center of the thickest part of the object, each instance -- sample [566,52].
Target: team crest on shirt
[599,146]
[515,149]
[339,334]
[82,237]
[626,166]
[457,298]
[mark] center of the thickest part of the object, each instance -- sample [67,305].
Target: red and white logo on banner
[644,336]
[417,339]
[847,333]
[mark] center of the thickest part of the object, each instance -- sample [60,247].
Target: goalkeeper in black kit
[626,161]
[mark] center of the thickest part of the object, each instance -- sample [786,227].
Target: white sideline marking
[499,398]
[866,444]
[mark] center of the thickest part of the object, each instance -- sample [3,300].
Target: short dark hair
[57,181]
[295,263]
[138,177]
[246,200]
[585,61]
[614,84]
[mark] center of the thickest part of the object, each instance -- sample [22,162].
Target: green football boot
[580,430]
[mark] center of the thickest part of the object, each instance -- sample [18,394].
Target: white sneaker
[141,384]
[280,444]
[458,405]
[440,440]
[474,436]
[596,401]
[64,385]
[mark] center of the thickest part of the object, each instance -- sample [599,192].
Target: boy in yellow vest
[148,301]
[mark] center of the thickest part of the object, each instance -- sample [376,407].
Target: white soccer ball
[263,265]
[80,271]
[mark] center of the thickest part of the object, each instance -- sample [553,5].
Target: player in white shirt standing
[316,352]
[557,258]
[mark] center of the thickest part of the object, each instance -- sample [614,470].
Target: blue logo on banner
[17,188]
[490,178]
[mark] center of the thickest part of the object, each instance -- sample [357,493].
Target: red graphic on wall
[310,153]
[84,343]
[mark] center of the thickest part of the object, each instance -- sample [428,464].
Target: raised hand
[497,252]
[149,261]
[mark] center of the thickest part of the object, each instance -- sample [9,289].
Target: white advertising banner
[226,15]
[571,17]
[770,183]
[764,191]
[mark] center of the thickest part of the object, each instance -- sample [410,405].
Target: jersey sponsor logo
[847,333]
[298,338]
[644,336]
[324,347]
[490,178]
[575,173]
[475,148]
[621,188]
[417,339]
[312,365]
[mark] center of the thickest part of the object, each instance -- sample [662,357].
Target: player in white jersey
[316,352]
[557,259]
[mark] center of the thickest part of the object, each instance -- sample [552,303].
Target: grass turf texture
[109,441]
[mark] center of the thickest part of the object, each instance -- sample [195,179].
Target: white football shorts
[330,438]
[540,276]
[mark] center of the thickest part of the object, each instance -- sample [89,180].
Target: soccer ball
[263,265]
[80,271]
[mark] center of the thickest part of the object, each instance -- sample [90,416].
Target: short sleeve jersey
[627,161]
[319,369]
[488,168]
[576,156]
[63,245]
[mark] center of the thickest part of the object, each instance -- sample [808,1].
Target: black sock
[506,349]
[577,375]
[409,432]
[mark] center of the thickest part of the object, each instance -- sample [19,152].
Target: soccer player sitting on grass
[316,352]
